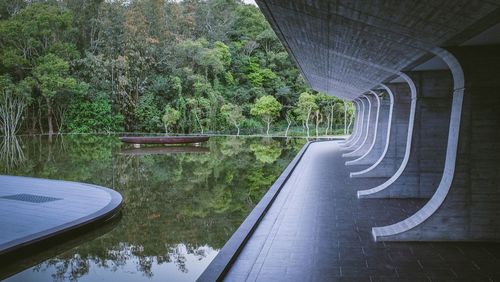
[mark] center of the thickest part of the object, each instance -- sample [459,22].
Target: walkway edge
[221,264]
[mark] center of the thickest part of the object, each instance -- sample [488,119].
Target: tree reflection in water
[179,208]
[11,153]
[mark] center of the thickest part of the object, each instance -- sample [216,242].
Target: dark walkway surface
[33,208]
[318,230]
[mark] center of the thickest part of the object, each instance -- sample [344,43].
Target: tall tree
[234,115]
[305,107]
[12,103]
[51,76]
[170,117]
[267,108]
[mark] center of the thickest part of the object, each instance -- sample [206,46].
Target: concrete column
[355,129]
[466,203]
[365,111]
[393,157]
[425,164]
[372,127]
[380,141]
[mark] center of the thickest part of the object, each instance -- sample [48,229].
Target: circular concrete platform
[34,209]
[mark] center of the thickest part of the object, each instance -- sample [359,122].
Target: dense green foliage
[99,66]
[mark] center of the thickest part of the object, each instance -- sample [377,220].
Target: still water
[181,204]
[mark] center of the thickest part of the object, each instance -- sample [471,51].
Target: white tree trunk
[288,127]
[345,118]
[331,118]
[11,152]
[319,119]
[350,122]
[11,111]
[327,124]
[307,120]
[199,122]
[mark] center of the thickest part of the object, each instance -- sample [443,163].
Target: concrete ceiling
[345,48]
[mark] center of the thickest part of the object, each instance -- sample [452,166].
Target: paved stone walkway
[33,208]
[317,230]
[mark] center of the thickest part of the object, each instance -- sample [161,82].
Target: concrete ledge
[217,269]
[35,210]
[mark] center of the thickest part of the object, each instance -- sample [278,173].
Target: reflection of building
[435,134]
[11,152]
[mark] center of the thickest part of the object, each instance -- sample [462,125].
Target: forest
[192,66]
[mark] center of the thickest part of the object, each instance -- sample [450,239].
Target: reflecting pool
[181,204]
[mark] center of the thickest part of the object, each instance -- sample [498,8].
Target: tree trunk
[350,122]
[307,120]
[268,125]
[331,118]
[238,134]
[287,128]
[60,114]
[33,120]
[327,124]
[50,114]
[40,116]
[199,122]
[319,119]
[345,118]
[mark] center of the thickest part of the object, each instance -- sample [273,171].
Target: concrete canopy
[345,48]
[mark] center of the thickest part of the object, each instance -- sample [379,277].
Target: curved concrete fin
[355,129]
[426,160]
[411,119]
[372,128]
[357,125]
[379,150]
[364,116]
[387,165]
[365,127]
[380,139]
[465,204]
